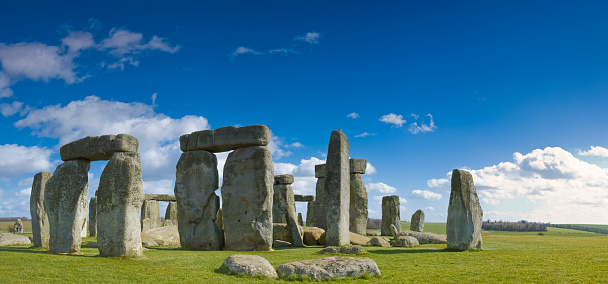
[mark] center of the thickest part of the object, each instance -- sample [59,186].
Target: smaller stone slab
[406,241]
[330,267]
[283,179]
[424,237]
[304,198]
[251,265]
[358,166]
[380,242]
[98,148]
[320,170]
[8,239]
[343,250]
[356,239]
[226,138]
[160,197]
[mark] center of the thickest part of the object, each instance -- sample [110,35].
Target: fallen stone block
[98,148]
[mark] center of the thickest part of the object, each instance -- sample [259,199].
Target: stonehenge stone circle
[225,138]
[150,215]
[284,193]
[196,181]
[99,147]
[119,200]
[93,216]
[310,210]
[390,214]
[171,212]
[337,190]
[320,221]
[358,197]
[417,223]
[279,205]
[464,214]
[65,200]
[40,220]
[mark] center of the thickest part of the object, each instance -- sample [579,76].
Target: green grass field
[605,227]
[27,226]
[561,255]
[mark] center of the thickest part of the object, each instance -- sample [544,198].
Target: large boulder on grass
[380,242]
[165,236]
[406,241]
[251,265]
[329,268]
[343,250]
[8,239]
[425,237]
[312,235]
[356,239]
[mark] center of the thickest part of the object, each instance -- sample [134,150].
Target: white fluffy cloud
[595,151]
[440,184]
[365,134]
[18,160]
[425,194]
[304,174]
[312,38]
[414,128]
[353,115]
[10,109]
[381,188]
[370,169]
[394,119]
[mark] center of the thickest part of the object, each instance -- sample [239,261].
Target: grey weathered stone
[150,215]
[93,216]
[65,200]
[390,214]
[197,203]
[18,227]
[320,170]
[283,179]
[330,267]
[90,245]
[394,231]
[417,221]
[312,235]
[358,204]
[406,241]
[225,138]
[300,220]
[337,190]
[168,222]
[160,197]
[424,237]
[280,231]
[40,220]
[356,239]
[303,198]
[464,214]
[320,218]
[279,205]
[9,239]
[119,200]
[280,244]
[171,212]
[247,193]
[373,233]
[219,222]
[164,236]
[380,242]
[352,249]
[96,148]
[251,265]
[310,214]
[358,166]
[293,221]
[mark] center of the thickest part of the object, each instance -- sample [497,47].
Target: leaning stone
[98,148]
[196,181]
[425,237]
[160,197]
[464,214]
[283,179]
[357,239]
[65,200]
[320,219]
[40,220]
[225,138]
[251,265]
[167,236]
[358,204]
[293,224]
[171,212]
[303,198]
[337,190]
[358,166]
[406,241]
[150,215]
[390,214]
[343,250]
[247,193]
[312,235]
[279,244]
[93,216]
[329,268]
[417,221]
[119,200]
[9,239]
[394,231]
[380,242]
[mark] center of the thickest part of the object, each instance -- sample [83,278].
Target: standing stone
[390,214]
[247,194]
[320,219]
[197,203]
[18,227]
[300,220]
[40,220]
[417,221]
[219,222]
[171,212]
[310,214]
[65,200]
[337,190]
[150,215]
[464,214]
[119,199]
[279,206]
[358,197]
[93,216]
[283,192]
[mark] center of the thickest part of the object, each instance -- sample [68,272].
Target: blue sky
[516,92]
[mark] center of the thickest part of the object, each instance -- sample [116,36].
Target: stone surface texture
[98,148]
[356,239]
[300,219]
[358,203]
[290,214]
[283,179]
[93,216]
[150,215]
[406,241]
[225,138]
[247,193]
[380,242]
[65,200]
[425,237]
[310,214]
[343,250]
[280,231]
[303,198]
[320,219]
[160,197]
[40,220]
[251,265]
[171,212]
[337,190]
[357,166]
[390,214]
[279,204]
[417,223]
[119,200]
[10,239]
[464,214]
[330,267]
[166,236]
[312,235]
[196,181]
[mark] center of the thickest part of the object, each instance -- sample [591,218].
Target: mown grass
[605,227]
[27,226]
[560,255]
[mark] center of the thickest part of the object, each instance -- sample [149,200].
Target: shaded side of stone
[171,212]
[160,197]
[225,138]
[417,223]
[358,166]
[40,220]
[358,204]
[279,204]
[464,214]
[96,148]
[320,219]
[310,214]
[93,216]
[303,198]
[150,215]
[390,214]
[337,190]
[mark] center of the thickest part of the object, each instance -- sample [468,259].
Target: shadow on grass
[400,251]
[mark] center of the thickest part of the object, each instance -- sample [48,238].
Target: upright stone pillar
[65,200]
[283,191]
[310,214]
[417,223]
[93,216]
[358,197]
[247,193]
[390,214]
[150,215]
[197,203]
[320,213]
[337,190]
[171,212]
[40,220]
[279,205]
[464,214]
[119,199]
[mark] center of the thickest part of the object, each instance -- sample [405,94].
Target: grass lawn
[27,226]
[561,255]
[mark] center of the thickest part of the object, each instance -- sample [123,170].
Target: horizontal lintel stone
[98,148]
[226,138]
[160,197]
[304,198]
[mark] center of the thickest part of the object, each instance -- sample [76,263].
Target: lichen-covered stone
[390,214]
[320,218]
[150,215]
[320,170]
[40,220]
[284,194]
[171,212]
[312,235]
[329,268]
[358,204]
[9,239]
[310,214]
[356,239]
[93,216]
[353,249]
[196,181]
[65,200]
[417,223]
[424,237]
[225,138]
[464,214]
[283,179]
[251,265]
[164,236]
[97,148]
[358,166]
[406,241]
[119,200]
[303,198]
[380,242]
[337,190]
[160,197]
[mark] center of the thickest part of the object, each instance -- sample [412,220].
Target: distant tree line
[580,228]
[374,223]
[519,226]
[13,219]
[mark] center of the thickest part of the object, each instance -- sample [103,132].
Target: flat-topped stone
[304,198]
[226,138]
[283,179]
[329,268]
[357,166]
[160,197]
[98,148]
[320,170]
